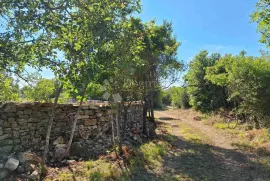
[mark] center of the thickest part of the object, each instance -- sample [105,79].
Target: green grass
[193,135]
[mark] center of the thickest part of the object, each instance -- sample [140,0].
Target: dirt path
[218,138]
[213,160]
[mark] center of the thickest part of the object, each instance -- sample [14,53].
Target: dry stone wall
[23,128]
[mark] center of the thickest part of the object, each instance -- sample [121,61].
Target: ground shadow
[198,161]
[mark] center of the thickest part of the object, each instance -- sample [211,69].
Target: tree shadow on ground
[188,160]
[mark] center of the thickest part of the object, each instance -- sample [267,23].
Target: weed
[65,176]
[95,176]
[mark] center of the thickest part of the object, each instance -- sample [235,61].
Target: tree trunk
[256,123]
[74,126]
[113,131]
[144,118]
[46,149]
[152,105]
[124,122]
[120,150]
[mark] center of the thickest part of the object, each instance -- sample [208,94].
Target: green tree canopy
[204,95]
[262,17]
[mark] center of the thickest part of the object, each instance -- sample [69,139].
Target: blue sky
[217,26]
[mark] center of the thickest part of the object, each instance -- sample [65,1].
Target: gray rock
[3,173]
[34,175]
[5,136]
[6,149]
[20,170]
[12,164]
[27,156]
[70,162]
[59,140]
[6,142]
[59,152]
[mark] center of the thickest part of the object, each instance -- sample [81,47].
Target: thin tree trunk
[144,117]
[74,126]
[113,137]
[118,129]
[124,123]
[46,149]
[152,105]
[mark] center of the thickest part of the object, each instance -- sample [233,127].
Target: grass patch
[141,160]
[193,135]
[246,138]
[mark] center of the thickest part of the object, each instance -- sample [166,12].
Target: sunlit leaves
[262,17]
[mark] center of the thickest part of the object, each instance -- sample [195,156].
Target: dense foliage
[247,81]
[9,90]
[262,17]
[179,97]
[203,94]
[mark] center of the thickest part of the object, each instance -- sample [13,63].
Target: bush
[203,94]
[179,97]
[247,80]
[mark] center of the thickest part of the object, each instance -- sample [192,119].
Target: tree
[9,90]
[102,22]
[204,95]
[247,81]
[179,97]
[160,63]
[262,17]
[42,91]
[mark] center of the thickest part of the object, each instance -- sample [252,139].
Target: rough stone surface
[34,175]
[3,173]
[12,164]
[26,156]
[23,128]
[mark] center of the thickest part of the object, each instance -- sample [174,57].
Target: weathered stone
[109,111]
[71,162]
[90,122]
[59,152]
[7,130]
[61,146]
[80,122]
[19,112]
[5,136]
[103,119]
[26,156]
[26,128]
[3,173]
[59,140]
[89,112]
[34,175]
[85,107]
[12,164]
[27,111]
[10,109]
[99,114]
[6,142]
[17,141]
[18,148]
[83,117]
[20,170]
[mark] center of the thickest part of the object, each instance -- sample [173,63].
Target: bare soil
[215,160]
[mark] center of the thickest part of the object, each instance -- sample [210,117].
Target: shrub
[179,97]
